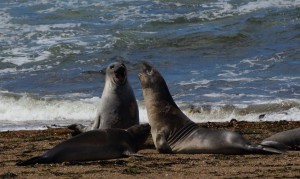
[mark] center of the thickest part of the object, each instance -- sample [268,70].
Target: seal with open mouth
[118,107]
[173,132]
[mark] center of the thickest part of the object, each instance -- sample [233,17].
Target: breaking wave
[21,111]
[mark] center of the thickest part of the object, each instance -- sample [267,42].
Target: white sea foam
[44,55]
[193,81]
[21,53]
[228,74]
[252,6]
[274,110]
[25,70]
[223,9]
[26,108]
[232,96]
[20,111]
[196,83]
[45,36]
[217,115]
[216,95]
[16,60]
[21,56]
[240,79]
[284,78]
[49,10]
[250,65]
[5,19]
[143,113]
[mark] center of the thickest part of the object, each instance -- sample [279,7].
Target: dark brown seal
[98,144]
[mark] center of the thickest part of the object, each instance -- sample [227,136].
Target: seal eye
[112,66]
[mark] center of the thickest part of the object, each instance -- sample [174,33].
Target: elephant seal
[288,140]
[173,132]
[98,144]
[118,107]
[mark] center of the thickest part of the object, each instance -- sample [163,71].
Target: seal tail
[34,160]
[262,149]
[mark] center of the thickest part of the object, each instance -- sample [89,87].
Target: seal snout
[147,68]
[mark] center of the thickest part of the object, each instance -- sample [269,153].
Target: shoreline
[24,144]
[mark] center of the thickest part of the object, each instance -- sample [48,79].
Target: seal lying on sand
[98,144]
[118,108]
[173,132]
[289,140]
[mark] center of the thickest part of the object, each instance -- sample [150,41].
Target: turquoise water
[230,59]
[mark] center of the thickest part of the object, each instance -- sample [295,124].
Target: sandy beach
[21,145]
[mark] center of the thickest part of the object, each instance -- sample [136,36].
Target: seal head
[117,72]
[154,85]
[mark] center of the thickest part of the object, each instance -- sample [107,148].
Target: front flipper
[280,146]
[79,128]
[276,145]
[264,149]
[34,160]
[161,144]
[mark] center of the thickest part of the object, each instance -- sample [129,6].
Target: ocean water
[222,59]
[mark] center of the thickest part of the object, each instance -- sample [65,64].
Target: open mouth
[120,74]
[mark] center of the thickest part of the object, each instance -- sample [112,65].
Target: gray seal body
[118,108]
[173,132]
[289,140]
[92,145]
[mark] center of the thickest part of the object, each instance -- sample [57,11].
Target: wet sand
[21,145]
